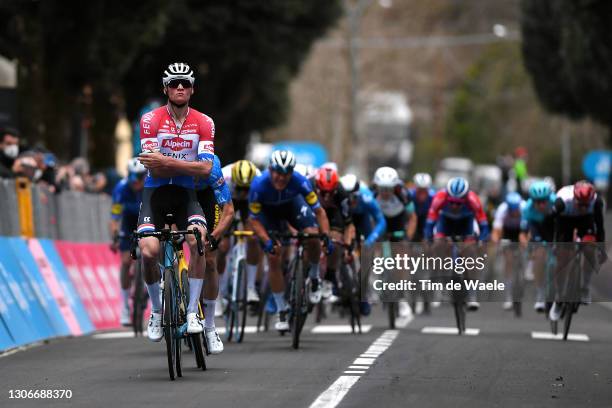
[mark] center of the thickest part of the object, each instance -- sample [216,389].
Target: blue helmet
[457,187]
[540,190]
[514,200]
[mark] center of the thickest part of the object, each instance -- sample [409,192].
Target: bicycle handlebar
[166,235]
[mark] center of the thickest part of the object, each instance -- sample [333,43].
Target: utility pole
[359,150]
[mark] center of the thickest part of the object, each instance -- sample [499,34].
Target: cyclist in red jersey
[177,146]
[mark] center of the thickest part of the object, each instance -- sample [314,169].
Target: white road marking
[115,335]
[449,330]
[336,392]
[559,336]
[339,328]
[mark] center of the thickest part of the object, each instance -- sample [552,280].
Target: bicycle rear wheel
[169,323]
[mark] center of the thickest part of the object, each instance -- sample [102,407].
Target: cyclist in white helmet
[282,197]
[398,209]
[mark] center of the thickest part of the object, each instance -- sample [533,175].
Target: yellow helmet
[243,172]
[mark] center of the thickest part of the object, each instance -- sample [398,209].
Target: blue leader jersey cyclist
[216,182]
[294,204]
[125,208]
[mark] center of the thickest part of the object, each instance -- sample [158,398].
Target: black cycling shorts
[179,201]
[397,223]
[336,221]
[212,210]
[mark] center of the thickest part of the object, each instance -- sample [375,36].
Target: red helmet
[520,151]
[584,192]
[327,179]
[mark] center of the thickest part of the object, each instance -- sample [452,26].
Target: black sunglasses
[176,82]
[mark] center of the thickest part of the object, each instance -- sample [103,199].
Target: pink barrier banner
[93,269]
[54,286]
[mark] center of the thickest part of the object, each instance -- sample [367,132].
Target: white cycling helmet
[422,180]
[136,167]
[457,187]
[350,183]
[282,161]
[330,165]
[386,177]
[178,70]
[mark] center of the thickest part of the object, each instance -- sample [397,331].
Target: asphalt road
[500,366]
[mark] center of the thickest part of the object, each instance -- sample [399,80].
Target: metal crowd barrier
[34,211]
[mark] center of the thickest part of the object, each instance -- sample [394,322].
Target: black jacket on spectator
[6,165]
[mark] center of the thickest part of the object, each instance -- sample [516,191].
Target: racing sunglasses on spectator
[176,82]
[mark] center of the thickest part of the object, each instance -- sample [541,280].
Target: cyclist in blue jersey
[368,218]
[280,197]
[421,195]
[215,198]
[127,196]
[537,226]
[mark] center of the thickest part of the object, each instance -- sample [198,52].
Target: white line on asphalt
[448,330]
[113,335]
[336,392]
[559,336]
[339,328]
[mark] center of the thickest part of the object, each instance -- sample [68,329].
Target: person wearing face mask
[9,150]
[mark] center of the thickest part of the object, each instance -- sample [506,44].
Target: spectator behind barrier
[9,150]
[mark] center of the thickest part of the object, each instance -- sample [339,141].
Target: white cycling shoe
[315,294]
[507,305]
[539,307]
[555,312]
[125,316]
[404,309]
[194,326]
[213,341]
[473,306]
[154,329]
[281,321]
[252,296]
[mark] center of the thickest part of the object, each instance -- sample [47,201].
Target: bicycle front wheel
[297,302]
[170,316]
[242,301]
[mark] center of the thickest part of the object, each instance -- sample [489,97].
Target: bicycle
[573,284]
[236,311]
[299,286]
[392,306]
[349,290]
[175,294]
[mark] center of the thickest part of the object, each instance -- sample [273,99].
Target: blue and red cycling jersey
[455,217]
[191,141]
